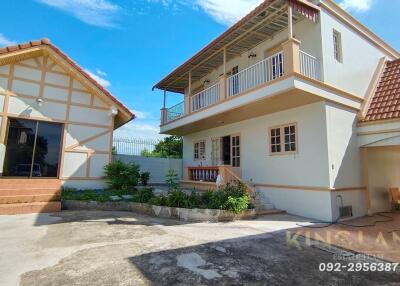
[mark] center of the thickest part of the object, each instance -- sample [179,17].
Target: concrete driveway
[121,248]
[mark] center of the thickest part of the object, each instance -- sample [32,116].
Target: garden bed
[195,215]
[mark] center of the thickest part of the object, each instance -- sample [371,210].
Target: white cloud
[227,12]
[356,5]
[4,41]
[140,114]
[101,13]
[101,73]
[99,77]
[137,129]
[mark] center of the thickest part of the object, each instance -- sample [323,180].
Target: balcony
[290,60]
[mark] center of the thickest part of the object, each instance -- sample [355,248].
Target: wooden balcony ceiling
[268,19]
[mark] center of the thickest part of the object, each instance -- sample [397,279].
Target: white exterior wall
[344,160]
[360,57]
[88,126]
[308,168]
[344,154]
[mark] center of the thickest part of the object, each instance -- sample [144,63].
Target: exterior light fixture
[206,81]
[114,111]
[252,55]
[39,102]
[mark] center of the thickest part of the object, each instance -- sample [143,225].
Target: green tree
[170,147]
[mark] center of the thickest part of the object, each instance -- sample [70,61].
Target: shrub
[143,195]
[237,205]
[68,193]
[178,199]
[172,180]
[161,200]
[121,176]
[144,178]
[193,200]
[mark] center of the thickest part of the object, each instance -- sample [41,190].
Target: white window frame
[199,151]
[235,151]
[280,139]
[337,46]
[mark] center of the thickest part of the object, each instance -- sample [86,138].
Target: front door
[33,148]
[226,150]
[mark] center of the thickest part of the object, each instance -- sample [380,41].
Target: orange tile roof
[385,103]
[46,42]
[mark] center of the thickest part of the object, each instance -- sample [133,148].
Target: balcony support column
[290,21]
[291,56]
[188,95]
[164,116]
[224,59]
[223,87]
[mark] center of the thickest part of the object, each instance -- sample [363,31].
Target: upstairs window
[283,139]
[337,46]
[199,150]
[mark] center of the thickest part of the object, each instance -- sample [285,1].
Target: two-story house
[289,99]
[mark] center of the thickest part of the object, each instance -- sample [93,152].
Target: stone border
[195,215]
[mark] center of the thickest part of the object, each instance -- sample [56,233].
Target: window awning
[268,19]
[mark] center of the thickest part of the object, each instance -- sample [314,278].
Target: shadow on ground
[253,260]
[153,251]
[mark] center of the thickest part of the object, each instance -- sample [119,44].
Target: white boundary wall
[157,167]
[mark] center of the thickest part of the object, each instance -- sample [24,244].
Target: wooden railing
[206,97]
[203,174]
[230,177]
[210,174]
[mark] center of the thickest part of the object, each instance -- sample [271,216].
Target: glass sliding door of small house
[33,148]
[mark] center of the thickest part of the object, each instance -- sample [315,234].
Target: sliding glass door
[33,148]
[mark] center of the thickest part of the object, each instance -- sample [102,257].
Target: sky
[128,46]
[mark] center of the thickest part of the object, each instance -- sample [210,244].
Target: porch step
[32,183]
[18,196]
[36,207]
[14,199]
[29,191]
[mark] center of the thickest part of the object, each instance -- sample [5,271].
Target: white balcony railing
[206,97]
[255,75]
[309,66]
[175,111]
[245,80]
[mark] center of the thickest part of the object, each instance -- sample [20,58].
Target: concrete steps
[20,196]
[29,198]
[25,208]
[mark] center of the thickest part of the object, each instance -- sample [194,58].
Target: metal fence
[133,146]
